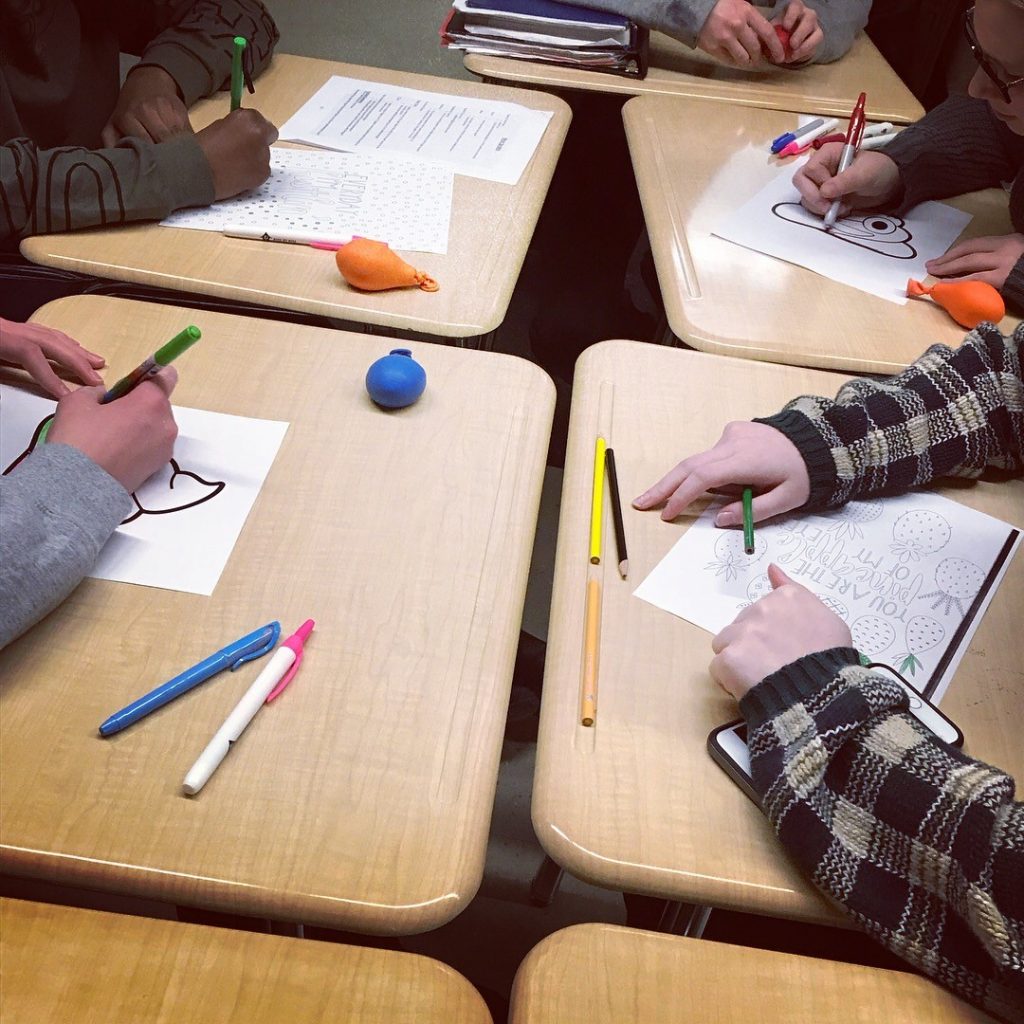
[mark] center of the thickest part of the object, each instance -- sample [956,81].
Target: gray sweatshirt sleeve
[57,510]
[840,20]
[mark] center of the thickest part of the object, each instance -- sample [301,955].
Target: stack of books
[550,32]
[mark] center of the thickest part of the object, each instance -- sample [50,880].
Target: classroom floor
[487,942]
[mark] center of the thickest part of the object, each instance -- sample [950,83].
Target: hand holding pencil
[746,455]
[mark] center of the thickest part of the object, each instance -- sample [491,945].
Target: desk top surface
[678,70]
[91,967]
[721,297]
[362,798]
[604,974]
[491,228]
[635,803]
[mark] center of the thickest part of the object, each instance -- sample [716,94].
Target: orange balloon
[374,267]
[969,303]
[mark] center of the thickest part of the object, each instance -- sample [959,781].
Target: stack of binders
[549,32]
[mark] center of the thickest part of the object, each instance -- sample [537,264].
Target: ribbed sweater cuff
[794,683]
[821,467]
[189,71]
[185,172]
[1013,289]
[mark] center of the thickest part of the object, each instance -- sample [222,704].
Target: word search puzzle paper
[185,519]
[911,576]
[480,138]
[330,197]
[874,252]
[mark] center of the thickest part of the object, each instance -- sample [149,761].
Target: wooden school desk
[678,70]
[604,974]
[635,803]
[720,297]
[362,798]
[91,967]
[491,227]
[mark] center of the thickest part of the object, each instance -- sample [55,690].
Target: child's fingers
[71,356]
[42,373]
[973,263]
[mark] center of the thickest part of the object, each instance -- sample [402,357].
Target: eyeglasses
[984,63]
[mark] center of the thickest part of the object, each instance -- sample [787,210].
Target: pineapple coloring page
[911,576]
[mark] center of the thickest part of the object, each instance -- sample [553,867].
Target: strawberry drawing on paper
[872,635]
[918,533]
[957,580]
[846,522]
[730,557]
[922,634]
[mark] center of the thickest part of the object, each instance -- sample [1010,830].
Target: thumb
[777,577]
[853,179]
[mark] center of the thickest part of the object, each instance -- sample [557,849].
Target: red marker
[853,141]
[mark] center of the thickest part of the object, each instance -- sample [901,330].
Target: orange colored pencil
[591,648]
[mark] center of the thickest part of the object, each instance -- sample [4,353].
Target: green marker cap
[182,342]
[241,42]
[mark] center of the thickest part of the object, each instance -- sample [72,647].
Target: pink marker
[279,672]
[805,141]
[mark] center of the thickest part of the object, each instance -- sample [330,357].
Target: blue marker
[798,133]
[250,647]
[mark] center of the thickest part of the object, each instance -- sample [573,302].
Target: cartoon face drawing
[170,489]
[878,232]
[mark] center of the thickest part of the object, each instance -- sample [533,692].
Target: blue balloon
[396,380]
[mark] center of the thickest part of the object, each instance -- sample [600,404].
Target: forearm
[195,48]
[682,19]
[840,21]
[952,413]
[921,845]
[57,510]
[43,191]
[958,147]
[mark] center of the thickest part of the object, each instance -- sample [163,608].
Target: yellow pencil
[591,648]
[597,502]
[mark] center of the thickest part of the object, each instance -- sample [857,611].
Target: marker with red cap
[269,683]
[853,140]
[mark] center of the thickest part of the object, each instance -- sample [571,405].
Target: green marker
[237,78]
[748,520]
[163,356]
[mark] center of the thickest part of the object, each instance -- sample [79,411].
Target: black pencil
[620,533]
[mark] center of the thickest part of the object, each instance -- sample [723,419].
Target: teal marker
[163,356]
[237,78]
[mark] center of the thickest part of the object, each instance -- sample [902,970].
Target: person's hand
[148,108]
[737,33]
[872,180]
[32,346]
[131,438]
[990,259]
[237,148]
[805,34]
[746,455]
[775,631]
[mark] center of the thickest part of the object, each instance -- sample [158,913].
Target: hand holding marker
[854,136]
[150,367]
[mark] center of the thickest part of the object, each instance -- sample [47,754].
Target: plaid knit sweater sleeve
[952,413]
[922,846]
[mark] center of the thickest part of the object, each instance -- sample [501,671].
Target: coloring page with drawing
[186,518]
[874,252]
[332,196]
[911,576]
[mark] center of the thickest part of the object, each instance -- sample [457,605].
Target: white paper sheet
[905,573]
[188,516]
[480,138]
[876,253]
[332,196]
